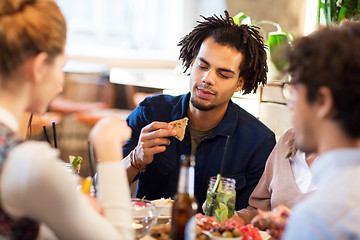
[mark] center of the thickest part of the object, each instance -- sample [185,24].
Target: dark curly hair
[331,57]
[246,39]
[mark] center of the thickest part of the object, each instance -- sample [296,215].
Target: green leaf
[76,162]
[238,18]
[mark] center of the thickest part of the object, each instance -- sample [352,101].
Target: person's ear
[38,66]
[325,103]
[240,84]
[192,62]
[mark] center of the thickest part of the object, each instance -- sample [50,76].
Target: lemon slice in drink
[223,213]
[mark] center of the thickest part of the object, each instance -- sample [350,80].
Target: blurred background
[120,51]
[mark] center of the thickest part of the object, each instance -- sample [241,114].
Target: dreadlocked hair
[244,38]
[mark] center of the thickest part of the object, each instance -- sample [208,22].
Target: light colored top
[33,184]
[302,173]
[277,186]
[333,210]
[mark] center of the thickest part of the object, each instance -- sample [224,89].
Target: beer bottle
[184,206]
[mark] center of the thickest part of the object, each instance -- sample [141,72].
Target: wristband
[133,162]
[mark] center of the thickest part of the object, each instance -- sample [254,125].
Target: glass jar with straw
[221,194]
[220,198]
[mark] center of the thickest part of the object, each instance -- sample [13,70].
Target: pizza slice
[179,126]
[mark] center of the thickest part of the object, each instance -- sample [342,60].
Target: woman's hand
[273,222]
[108,136]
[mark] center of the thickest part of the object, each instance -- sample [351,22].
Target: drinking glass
[144,216]
[220,200]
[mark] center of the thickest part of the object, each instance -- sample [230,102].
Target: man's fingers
[156,126]
[155,142]
[154,150]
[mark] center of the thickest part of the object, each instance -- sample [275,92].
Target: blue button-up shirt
[250,145]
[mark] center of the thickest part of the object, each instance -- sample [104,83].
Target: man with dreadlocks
[223,58]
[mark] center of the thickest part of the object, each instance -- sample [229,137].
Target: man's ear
[325,103]
[192,62]
[240,84]
[37,67]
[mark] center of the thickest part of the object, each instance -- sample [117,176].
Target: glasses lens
[286,91]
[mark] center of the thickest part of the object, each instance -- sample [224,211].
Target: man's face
[214,75]
[304,119]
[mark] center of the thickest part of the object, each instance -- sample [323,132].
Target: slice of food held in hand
[179,126]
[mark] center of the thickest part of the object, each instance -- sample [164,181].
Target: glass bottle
[184,206]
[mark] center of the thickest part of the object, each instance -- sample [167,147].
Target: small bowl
[163,206]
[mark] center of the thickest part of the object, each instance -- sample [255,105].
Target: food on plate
[136,202]
[163,206]
[275,219]
[228,229]
[225,232]
[163,202]
[160,231]
[179,126]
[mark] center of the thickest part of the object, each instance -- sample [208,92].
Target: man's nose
[208,77]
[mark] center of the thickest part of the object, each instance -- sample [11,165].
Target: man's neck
[205,120]
[336,138]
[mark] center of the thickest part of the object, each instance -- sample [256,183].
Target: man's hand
[152,141]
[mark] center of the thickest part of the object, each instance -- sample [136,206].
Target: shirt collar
[8,119]
[329,163]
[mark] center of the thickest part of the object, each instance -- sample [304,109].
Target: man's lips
[205,94]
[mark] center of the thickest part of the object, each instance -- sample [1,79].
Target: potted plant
[334,11]
[277,42]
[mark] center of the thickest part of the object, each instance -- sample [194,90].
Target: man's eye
[201,66]
[224,76]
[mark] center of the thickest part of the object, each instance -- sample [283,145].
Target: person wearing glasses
[223,58]
[324,91]
[38,198]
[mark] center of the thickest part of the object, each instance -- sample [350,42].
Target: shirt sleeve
[34,185]
[302,224]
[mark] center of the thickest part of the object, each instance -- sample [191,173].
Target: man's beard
[201,107]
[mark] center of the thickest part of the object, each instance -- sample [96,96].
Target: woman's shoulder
[283,148]
[33,154]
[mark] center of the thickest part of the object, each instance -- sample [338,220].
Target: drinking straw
[91,158]
[54,134]
[225,153]
[46,135]
[92,165]
[29,126]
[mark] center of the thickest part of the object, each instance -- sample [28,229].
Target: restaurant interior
[117,65]
[119,52]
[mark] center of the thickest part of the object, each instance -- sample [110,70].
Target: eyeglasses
[287,89]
